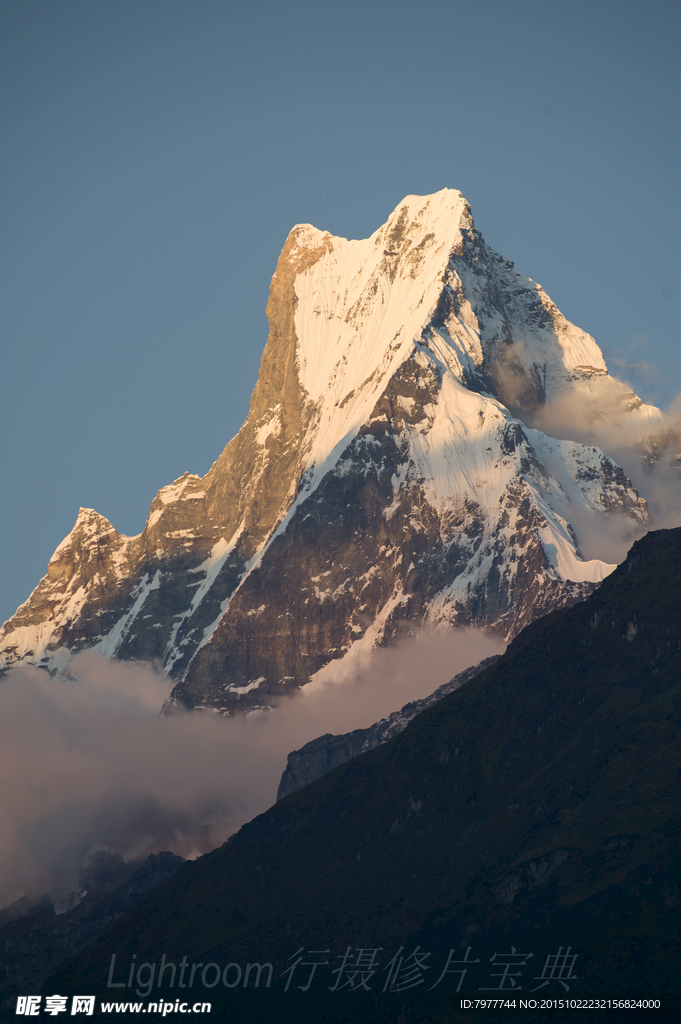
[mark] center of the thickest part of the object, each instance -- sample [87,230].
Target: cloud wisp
[603,411]
[644,441]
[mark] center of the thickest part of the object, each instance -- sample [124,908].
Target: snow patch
[247,689]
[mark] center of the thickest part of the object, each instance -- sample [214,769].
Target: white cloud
[87,762]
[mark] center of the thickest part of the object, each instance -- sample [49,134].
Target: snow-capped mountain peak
[388,471]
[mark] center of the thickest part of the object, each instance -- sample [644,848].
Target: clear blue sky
[157,152]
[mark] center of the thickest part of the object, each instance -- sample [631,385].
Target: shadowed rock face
[380,478]
[537,806]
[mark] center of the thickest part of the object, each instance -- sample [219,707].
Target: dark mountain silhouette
[535,810]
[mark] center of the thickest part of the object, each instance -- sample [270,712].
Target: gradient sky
[156,154]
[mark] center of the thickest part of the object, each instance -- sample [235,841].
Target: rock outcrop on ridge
[384,475]
[321,755]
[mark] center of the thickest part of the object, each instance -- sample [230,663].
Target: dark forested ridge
[536,808]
